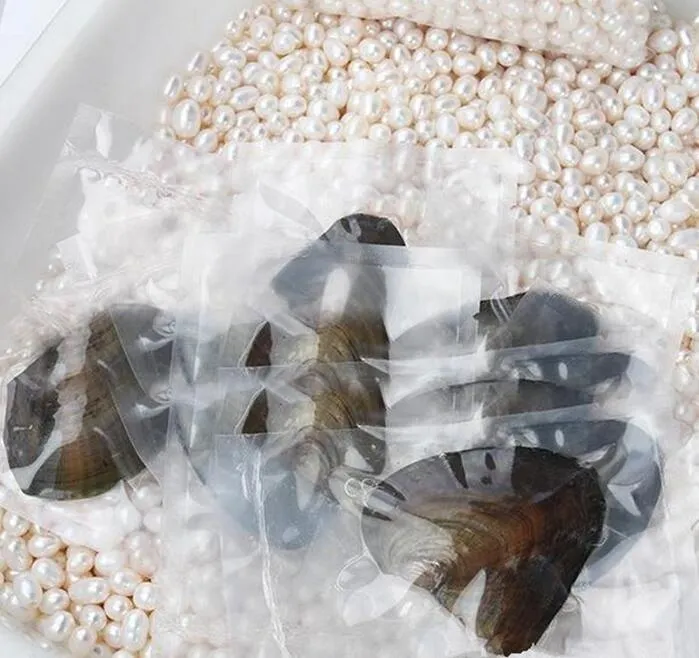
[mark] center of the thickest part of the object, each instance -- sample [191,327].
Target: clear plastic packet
[615,33]
[291,196]
[72,407]
[376,568]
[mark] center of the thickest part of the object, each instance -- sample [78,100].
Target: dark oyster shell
[71,436]
[528,517]
[535,318]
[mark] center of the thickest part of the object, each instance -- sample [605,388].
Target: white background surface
[21,24]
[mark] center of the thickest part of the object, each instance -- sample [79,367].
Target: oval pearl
[82,640]
[597,232]
[108,562]
[145,596]
[684,240]
[57,627]
[627,158]
[89,590]
[134,630]
[28,590]
[80,560]
[116,607]
[186,118]
[675,211]
[15,525]
[124,582]
[54,600]
[594,161]
[93,616]
[48,572]
[112,635]
[43,545]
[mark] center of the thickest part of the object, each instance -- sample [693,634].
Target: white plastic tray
[114,54]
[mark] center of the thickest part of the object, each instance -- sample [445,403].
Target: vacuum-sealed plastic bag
[613,32]
[72,409]
[300,296]
[429,561]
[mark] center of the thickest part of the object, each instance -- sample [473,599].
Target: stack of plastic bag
[386,449]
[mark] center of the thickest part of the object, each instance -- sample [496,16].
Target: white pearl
[48,572]
[43,545]
[173,89]
[57,627]
[28,590]
[80,560]
[336,51]
[89,590]
[597,232]
[14,524]
[101,651]
[627,158]
[134,630]
[675,211]
[685,121]
[53,600]
[244,98]
[108,562]
[112,635]
[82,640]
[658,229]
[123,582]
[116,607]
[186,118]
[93,616]
[594,161]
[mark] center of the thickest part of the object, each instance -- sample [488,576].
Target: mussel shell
[115,412]
[537,318]
[529,517]
[628,464]
[304,280]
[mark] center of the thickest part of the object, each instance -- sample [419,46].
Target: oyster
[70,430]
[527,517]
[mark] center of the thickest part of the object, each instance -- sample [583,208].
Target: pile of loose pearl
[615,32]
[612,154]
[95,604]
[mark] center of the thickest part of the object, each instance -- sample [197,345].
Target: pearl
[57,627]
[594,161]
[82,640]
[54,600]
[122,582]
[112,635]
[134,630]
[93,616]
[116,607]
[43,545]
[90,590]
[186,118]
[80,560]
[48,573]
[674,211]
[108,562]
[15,525]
